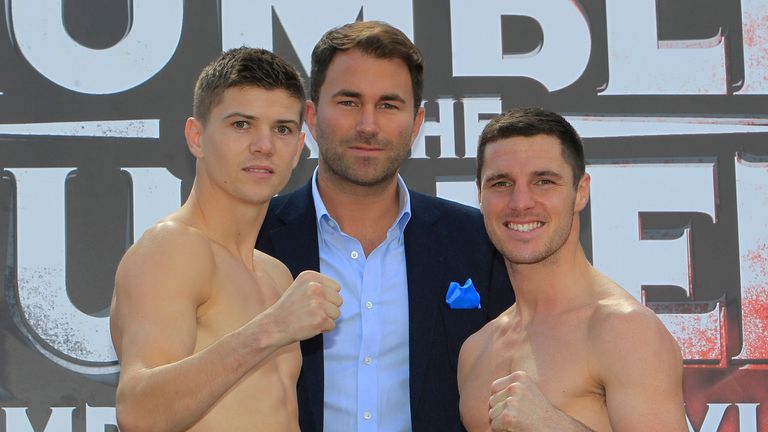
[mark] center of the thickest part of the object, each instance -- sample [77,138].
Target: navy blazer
[444,242]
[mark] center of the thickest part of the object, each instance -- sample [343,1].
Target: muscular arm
[637,361]
[641,367]
[164,385]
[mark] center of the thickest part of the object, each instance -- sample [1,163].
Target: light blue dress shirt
[365,357]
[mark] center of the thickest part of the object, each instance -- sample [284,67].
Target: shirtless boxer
[204,326]
[575,352]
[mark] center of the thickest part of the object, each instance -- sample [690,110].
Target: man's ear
[582,193]
[299,148]
[193,132]
[417,122]
[311,113]
[479,196]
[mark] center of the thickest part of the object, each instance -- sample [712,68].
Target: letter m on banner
[251,22]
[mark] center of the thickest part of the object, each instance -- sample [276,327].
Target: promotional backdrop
[669,96]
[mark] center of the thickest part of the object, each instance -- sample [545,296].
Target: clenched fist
[308,307]
[517,404]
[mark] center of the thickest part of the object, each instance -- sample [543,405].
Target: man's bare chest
[237,295]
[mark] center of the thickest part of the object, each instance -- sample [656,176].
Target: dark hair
[374,38]
[245,67]
[529,122]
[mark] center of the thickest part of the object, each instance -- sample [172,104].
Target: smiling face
[364,121]
[528,198]
[249,145]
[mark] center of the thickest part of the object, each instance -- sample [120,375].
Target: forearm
[565,423]
[175,396]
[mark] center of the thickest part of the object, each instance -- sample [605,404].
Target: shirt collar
[325,221]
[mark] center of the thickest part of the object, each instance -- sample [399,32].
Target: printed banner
[669,96]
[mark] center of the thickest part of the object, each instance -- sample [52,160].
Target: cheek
[331,121]
[491,204]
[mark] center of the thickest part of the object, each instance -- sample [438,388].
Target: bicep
[643,382]
[154,312]
[468,355]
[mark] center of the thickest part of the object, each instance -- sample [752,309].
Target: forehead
[521,154]
[259,102]
[354,70]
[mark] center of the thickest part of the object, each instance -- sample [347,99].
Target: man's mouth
[259,170]
[526,227]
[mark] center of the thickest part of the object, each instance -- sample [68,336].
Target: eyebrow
[495,177]
[547,173]
[252,117]
[288,121]
[540,173]
[239,114]
[355,94]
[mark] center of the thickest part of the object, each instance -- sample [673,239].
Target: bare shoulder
[473,348]
[169,254]
[625,333]
[637,362]
[160,282]
[274,268]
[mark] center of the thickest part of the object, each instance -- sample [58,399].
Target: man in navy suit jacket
[391,362]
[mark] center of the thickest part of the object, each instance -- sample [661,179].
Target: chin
[519,257]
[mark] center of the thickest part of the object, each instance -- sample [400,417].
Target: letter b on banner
[476,38]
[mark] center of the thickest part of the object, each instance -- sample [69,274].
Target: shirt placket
[370,320]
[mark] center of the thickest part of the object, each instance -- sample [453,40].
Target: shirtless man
[205,327]
[575,352]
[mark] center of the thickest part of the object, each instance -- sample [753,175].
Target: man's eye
[544,182]
[501,184]
[283,130]
[240,124]
[388,106]
[347,103]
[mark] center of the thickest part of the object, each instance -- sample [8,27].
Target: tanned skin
[206,328]
[366,123]
[576,352]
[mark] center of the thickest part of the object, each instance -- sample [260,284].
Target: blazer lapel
[423,258]
[294,240]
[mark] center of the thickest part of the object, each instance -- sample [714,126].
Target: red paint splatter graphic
[701,336]
[755,37]
[754,305]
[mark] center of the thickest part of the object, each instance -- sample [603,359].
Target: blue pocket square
[462,296]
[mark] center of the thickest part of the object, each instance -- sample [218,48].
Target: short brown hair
[374,38]
[529,122]
[245,67]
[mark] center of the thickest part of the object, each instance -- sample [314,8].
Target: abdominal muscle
[264,399]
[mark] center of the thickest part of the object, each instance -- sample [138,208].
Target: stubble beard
[547,253]
[362,171]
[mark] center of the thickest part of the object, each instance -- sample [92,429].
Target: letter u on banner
[59,330]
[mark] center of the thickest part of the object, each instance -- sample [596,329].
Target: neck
[363,212]
[560,282]
[225,220]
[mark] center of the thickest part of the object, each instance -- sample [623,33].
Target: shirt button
[367,360]
[369,305]
[354,254]
[367,415]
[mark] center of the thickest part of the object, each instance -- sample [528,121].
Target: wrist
[266,331]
